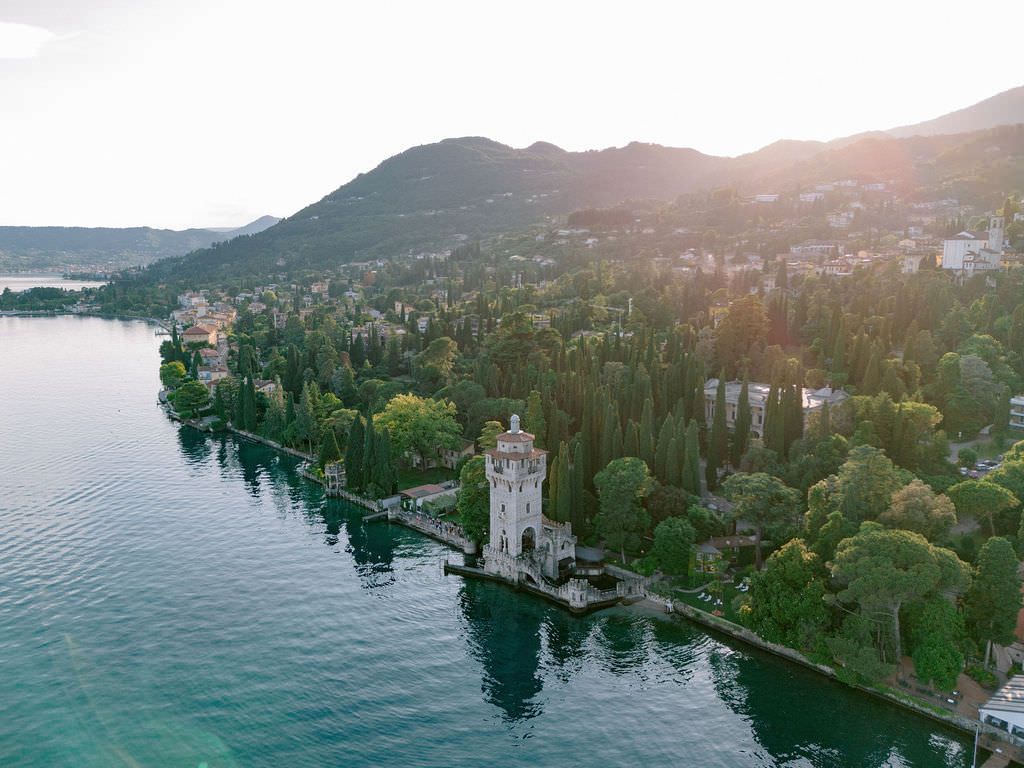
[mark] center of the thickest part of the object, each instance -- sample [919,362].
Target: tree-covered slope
[49,247]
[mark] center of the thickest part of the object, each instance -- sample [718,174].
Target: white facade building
[975,251]
[1005,710]
[757,396]
[1017,412]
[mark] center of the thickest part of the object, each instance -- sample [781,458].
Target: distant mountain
[1006,108]
[429,195]
[258,225]
[24,248]
[436,195]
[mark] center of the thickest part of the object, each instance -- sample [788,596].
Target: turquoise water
[169,599]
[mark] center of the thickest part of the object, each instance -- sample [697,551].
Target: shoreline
[991,737]
[653,606]
[68,313]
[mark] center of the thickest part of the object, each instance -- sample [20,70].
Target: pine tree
[354,477]
[741,429]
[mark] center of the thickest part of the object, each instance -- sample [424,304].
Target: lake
[22,282]
[173,599]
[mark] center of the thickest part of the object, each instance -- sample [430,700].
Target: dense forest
[607,362]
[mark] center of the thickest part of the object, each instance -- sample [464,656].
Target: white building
[757,396]
[975,251]
[1017,412]
[1005,710]
[522,540]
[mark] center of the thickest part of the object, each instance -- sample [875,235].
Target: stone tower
[515,473]
[995,234]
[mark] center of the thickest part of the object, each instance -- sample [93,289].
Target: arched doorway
[529,539]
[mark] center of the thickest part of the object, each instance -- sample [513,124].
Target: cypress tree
[839,350]
[329,451]
[775,421]
[289,409]
[825,422]
[872,374]
[218,405]
[387,478]
[795,423]
[647,447]
[370,471]
[607,431]
[741,429]
[691,459]
[673,466]
[576,513]
[718,442]
[565,481]
[552,489]
[238,417]
[536,423]
[631,440]
[249,405]
[661,453]
[354,477]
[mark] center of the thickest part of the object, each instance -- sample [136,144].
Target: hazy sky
[212,112]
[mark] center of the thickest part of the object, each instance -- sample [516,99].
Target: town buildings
[970,252]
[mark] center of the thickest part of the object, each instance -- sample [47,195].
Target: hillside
[436,195]
[1006,108]
[107,248]
[430,195]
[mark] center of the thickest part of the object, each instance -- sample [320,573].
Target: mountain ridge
[28,247]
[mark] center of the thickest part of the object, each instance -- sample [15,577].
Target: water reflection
[841,728]
[503,633]
[195,446]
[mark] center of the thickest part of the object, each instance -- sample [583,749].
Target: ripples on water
[168,599]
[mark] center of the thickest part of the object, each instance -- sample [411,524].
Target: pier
[440,530]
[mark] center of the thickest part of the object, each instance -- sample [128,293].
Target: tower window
[502,507]
[527,507]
